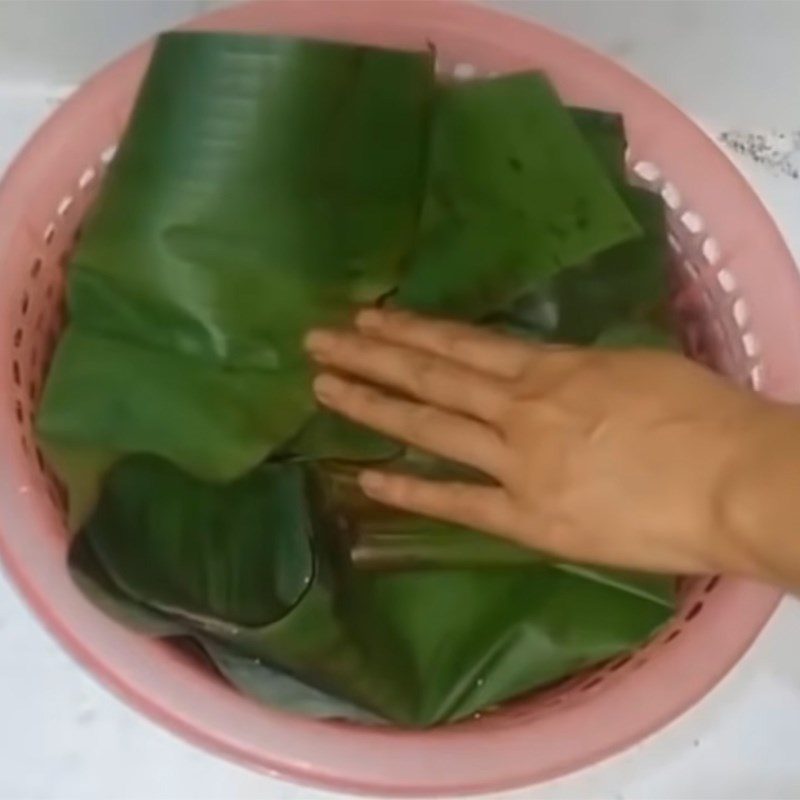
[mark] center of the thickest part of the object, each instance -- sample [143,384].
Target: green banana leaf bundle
[268,185]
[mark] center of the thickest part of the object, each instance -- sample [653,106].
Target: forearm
[762,499]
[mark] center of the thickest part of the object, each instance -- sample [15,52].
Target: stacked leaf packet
[265,186]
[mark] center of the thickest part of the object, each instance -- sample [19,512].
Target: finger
[487,508]
[501,356]
[422,375]
[439,432]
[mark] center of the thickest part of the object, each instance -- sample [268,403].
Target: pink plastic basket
[744,313]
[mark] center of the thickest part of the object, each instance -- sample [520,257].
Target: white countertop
[734,66]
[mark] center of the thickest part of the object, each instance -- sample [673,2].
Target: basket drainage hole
[596,681]
[19,412]
[17,337]
[694,610]
[673,636]
[108,154]
[712,584]
[617,665]
[26,301]
[464,71]
[36,267]
[16,373]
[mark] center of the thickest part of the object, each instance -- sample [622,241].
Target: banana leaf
[627,283]
[239,552]
[357,638]
[91,577]
[251,676]
[622,285]
[402,542]
[420,648]
[513,196]
[328,436]
[637,335]
[604,133]
[263,186]
[256,678]
[533,315]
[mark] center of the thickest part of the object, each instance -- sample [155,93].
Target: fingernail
[369,319]
[319,342]
[326,387]
[371,482]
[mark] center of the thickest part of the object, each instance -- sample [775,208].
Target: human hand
[637,459]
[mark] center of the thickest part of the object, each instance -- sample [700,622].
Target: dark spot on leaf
[515,164]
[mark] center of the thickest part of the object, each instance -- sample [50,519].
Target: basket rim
[315,753]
